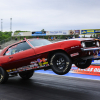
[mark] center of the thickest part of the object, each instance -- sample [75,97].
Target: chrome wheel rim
[60,63]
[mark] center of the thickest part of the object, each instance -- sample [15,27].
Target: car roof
[23,41]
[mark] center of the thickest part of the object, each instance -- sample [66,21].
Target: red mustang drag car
[28,55]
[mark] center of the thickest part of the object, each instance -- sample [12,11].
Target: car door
[4,61]
[20,55]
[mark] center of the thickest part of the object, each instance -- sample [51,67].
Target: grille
[90,44]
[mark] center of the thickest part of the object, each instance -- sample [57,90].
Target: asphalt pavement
[50,87]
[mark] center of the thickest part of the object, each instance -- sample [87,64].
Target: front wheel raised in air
[84,63]
[60,63]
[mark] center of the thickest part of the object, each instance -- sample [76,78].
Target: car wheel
[60,63]
[26,74]
[3,76]
[83,63]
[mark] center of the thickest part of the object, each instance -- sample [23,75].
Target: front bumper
[88,53]
[94,51]
[90,49]
[96,57]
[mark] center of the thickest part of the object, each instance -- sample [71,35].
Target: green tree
[42,30]
[4,35]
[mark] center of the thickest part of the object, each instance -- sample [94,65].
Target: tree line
[5,35]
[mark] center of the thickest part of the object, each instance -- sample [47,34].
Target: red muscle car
[32,54]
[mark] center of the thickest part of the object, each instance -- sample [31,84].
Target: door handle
[10,57]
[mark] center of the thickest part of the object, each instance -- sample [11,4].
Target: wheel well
[57,51]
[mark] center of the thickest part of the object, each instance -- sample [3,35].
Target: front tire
[26,74]
[60,63]
[84,63]
[3,76]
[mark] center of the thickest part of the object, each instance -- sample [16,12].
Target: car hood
[82,39]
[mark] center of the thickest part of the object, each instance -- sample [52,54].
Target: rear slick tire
[3,76]
[60,63]
[26,74]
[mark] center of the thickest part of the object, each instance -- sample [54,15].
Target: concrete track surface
[50,87]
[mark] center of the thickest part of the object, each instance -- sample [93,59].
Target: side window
[17,48]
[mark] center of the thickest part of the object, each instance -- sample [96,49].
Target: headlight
[83,44]
[97,43]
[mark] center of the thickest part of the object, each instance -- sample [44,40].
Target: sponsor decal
[45,63]
[74,54]
[33,62]
[40,63]
[39,60]
[74,47]
[44,60]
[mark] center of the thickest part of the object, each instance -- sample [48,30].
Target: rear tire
[26,74]
[3,76]
[60,63]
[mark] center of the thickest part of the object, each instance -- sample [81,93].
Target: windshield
[39,42]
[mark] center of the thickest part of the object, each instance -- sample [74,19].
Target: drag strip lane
[65,83]
[50,87]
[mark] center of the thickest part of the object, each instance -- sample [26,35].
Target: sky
[50,15]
